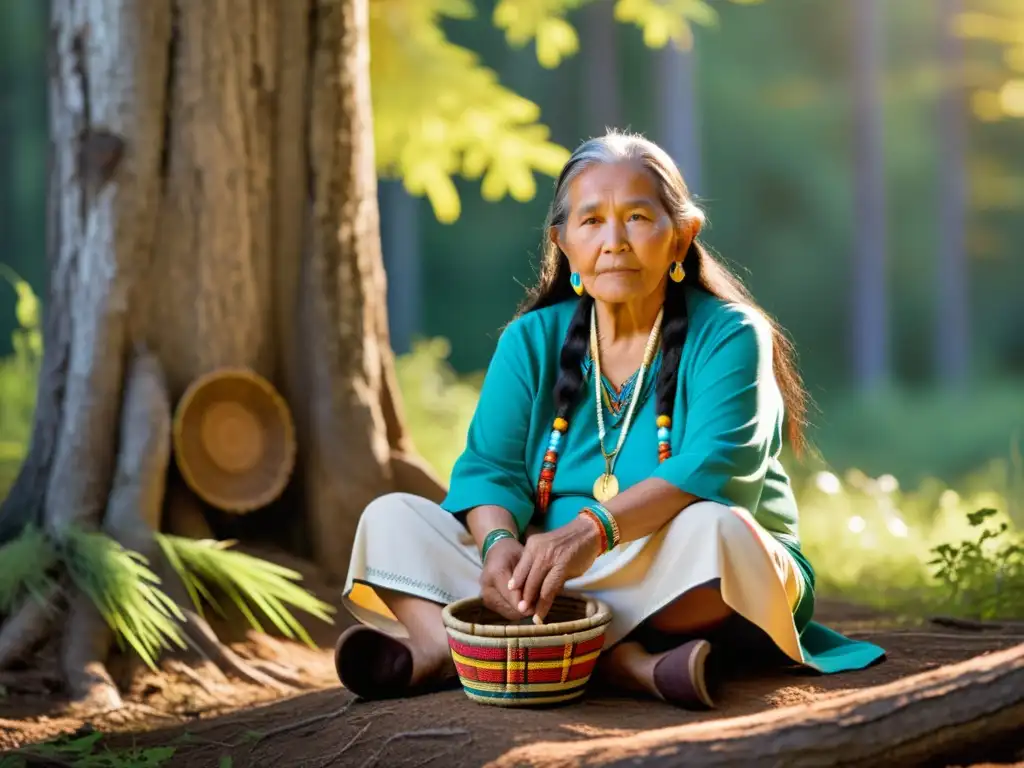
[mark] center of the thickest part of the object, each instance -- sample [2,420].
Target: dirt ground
[207,718]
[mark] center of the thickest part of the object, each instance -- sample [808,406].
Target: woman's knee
[391,507]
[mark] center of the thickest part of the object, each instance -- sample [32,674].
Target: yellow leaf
[521,185]
[556,40]
[444,198]
[27,308]
[494,185]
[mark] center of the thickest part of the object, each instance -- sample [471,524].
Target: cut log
[907,722]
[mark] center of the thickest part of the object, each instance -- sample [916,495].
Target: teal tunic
[726,438]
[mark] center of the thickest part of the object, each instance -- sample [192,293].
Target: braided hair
[702,270]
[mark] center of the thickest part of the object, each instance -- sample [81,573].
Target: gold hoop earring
[676,272]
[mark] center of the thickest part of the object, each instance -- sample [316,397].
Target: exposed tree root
[84,648]
[204,641]
[28,626]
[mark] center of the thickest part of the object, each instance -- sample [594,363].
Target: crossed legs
[373,664]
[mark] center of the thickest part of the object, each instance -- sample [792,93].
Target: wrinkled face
[618,235]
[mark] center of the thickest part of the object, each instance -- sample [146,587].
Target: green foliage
[205,566]
[27,564]
[999,90]
[439,113]
[19,375]
[984,575]
[873,543]
[125,592]
[925,431]
[438,404]
[86,751]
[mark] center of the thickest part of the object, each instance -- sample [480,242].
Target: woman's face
[617,234]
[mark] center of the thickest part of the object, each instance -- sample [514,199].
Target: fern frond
[25,565]
[125,592]
[250,583]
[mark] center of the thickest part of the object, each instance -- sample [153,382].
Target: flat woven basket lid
[234,440]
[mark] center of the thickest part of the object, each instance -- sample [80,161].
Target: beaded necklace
[561,426]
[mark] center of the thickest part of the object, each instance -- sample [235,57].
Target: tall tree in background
[679,122]
[952,325]
[870,293]
[602,103]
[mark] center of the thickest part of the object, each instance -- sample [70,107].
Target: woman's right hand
[501,562]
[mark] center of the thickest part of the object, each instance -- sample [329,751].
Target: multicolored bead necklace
[561,425]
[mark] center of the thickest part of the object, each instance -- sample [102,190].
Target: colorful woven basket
[234,440]
[523,664]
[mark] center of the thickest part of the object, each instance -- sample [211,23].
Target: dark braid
[574,350]
[674,324]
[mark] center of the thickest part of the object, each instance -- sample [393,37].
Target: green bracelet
[493,538]
[611,528]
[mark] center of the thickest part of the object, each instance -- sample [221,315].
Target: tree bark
[348,457]
[907,722]
[213,204]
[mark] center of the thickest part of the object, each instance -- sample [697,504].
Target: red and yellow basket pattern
[529,669]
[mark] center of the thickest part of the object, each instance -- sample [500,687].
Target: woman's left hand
[551,559]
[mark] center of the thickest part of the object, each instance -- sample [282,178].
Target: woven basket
[523,664]
[234,440]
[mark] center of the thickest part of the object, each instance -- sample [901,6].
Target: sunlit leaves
[664,21]
[542,21]
[1001,92]
[439,113]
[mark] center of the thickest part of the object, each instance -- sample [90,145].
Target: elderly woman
[626,444]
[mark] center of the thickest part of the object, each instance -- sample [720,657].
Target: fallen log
[908,722]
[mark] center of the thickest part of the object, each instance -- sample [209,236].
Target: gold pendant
[606,487]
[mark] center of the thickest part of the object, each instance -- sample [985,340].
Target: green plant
[871,541]
[19,377]
[28,562]
[125,592]
[85,751]
[438,403]
[207,565]
[984,575]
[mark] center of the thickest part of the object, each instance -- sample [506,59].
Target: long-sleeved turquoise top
[726,432]
[726,437]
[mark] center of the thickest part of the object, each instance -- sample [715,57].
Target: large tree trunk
[213,203]
[913,721]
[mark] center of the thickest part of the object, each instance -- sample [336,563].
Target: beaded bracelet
[606,525]
[493,538]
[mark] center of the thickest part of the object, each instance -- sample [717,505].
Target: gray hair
[616,147]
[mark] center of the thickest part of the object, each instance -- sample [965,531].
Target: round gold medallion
[606,487]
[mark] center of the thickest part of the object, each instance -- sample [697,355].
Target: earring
[676,272]
[576,282]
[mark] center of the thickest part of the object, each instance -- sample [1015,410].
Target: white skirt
[411,545]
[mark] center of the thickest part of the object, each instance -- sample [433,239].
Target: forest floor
[193,716]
